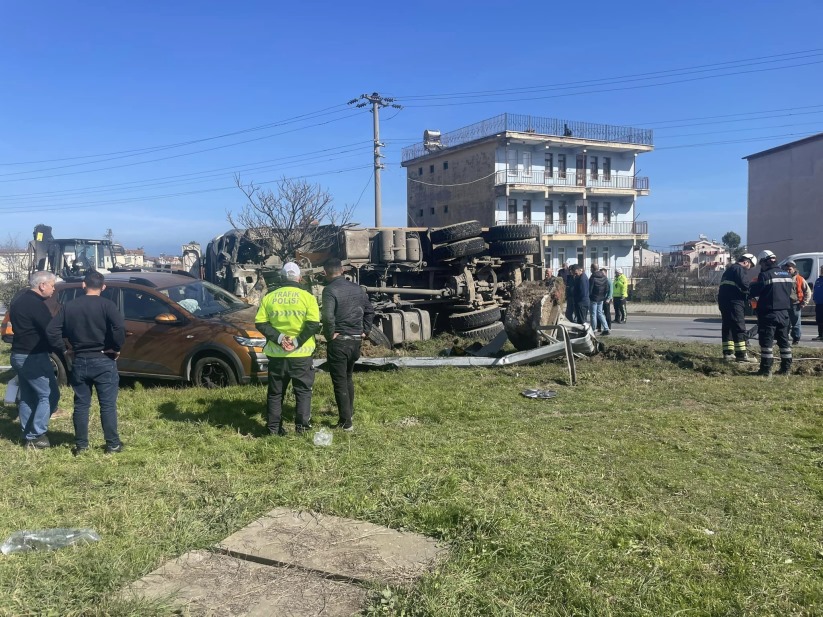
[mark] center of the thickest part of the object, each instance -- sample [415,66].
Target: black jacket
[734,286]
[346,309]
[30,316]
[580,289]
[91,323]
[598,287]
[773,289]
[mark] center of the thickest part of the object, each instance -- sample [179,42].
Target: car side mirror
[166,319]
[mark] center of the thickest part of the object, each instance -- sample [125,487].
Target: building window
[561,165]
[607,168]
[445,209]
[593,254]
[527,163]
[607,212]
[421,213]
[563,211]
[593,207]
[432,210]
[581,256]
[512,211]
[561,256]
[605,254]
[512,162]
[550,212]
[547,257]
[549,165]
[527,211]
[419,171]
[445,164]
[431,169]
[593,164]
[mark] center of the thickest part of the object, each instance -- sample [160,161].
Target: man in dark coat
[579,294]
[773,289]
[731,298]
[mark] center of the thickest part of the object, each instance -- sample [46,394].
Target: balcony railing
[540,126]
[624,228]
[538,177]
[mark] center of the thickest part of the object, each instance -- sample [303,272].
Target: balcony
[597,184]
[594,230]
[535,125]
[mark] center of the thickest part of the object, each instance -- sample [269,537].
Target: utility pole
[376,101]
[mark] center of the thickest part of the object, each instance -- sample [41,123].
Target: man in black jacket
[30,316]
[94,327]
[773,289]
[598,292]
[731,298]
[347,317]
[579,294]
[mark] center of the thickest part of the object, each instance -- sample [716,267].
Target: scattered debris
[537,393]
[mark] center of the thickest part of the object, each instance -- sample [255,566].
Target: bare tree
[14,272]
[298,218]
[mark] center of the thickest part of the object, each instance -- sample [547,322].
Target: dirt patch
[810,367]
[533,304]
[629,352]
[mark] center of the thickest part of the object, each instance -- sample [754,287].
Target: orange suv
[181,328]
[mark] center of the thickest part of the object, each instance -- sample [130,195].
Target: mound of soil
[629,352]
[533,304]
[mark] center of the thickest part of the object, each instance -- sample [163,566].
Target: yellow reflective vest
[287,309]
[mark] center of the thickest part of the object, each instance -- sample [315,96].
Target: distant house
[702,255]
[785,212]
[577,181]
[647,258]
[132,258]
[13,264]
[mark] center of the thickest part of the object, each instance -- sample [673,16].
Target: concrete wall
[460,196]
[785,212]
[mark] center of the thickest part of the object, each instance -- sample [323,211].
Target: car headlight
[246,341]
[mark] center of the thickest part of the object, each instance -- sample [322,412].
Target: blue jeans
[39,392]
[597,315]
[794,320]
[100,372]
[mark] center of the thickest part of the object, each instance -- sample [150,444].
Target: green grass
[666,483]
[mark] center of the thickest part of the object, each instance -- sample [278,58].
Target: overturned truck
[422,281]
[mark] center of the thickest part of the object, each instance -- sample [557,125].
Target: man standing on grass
[94,327]
[801,295]
[773,289]
[620,293]
[607,303]
[598,292]
[579,295]
[39,392]
[732,297]
[289,318]
[347,320]
[817,296]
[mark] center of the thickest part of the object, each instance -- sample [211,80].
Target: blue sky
[103,80]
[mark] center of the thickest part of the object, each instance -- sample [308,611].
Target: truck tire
[486,333]
[378,338]
[461,248]
[474,319]
[458,231]
[514,247]
[513,232]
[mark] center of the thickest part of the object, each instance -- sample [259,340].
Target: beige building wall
[785,212]
[459,194]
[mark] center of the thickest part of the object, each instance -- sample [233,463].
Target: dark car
[181,328]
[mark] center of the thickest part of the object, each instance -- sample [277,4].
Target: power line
[737,141]
[149,149]
[745,113]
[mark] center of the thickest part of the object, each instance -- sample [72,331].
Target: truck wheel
[486,333]
[213,372]
[474,319]
[513,232]
[514,247]
[377,337]
[461,248]
[458,231]
[59,370]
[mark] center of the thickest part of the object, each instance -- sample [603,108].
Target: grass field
[665,483]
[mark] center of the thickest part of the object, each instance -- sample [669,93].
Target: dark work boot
[785,366]
[278,430]
[765,367]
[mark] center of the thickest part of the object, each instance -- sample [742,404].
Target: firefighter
[731,298]
[773,289]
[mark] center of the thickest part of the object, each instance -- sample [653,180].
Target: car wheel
[213,372]
[59,370]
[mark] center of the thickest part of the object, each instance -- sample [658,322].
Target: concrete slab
[339,547]
[209,584]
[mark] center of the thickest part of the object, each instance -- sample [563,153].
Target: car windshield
[203,299]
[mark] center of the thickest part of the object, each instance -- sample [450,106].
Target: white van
[808,266]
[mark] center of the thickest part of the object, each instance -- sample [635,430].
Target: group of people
[781,293]
[94,328]
[289,317]
[590,298]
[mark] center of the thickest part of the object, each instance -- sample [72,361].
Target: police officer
[289,317]
[773,289]
[347,320]
[731,298]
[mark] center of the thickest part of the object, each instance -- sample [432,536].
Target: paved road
[683,328]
